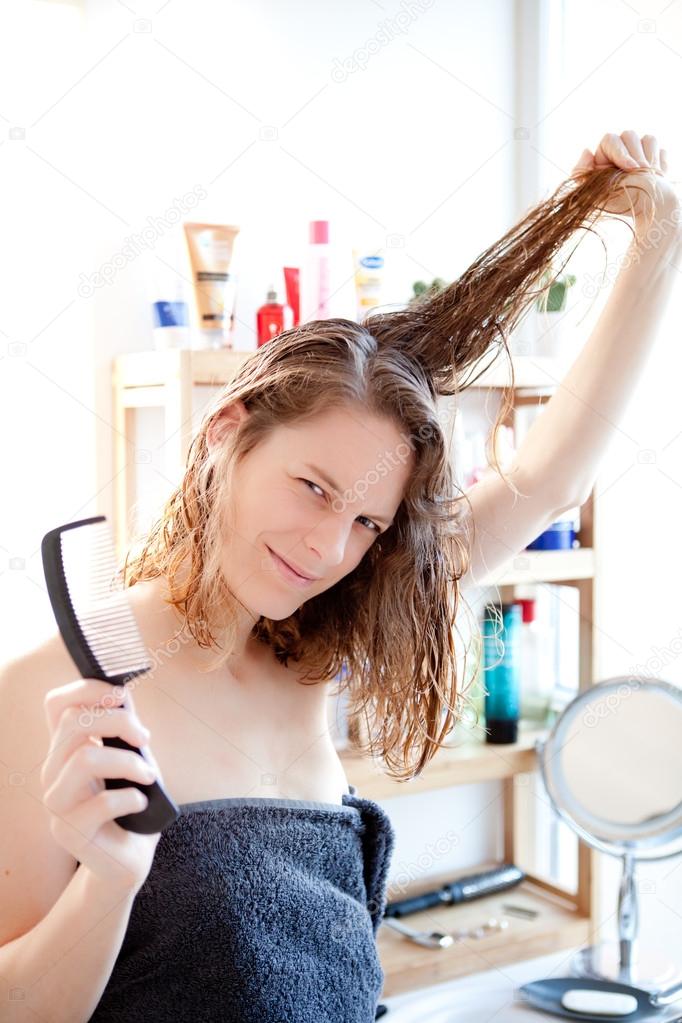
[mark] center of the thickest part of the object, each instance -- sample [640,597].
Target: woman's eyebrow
[337,490]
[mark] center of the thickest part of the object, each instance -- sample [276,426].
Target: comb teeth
[99,601]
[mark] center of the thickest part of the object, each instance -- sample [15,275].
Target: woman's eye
[311,484]
[372,525]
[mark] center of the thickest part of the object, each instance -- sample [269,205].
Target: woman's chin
[274,602]
[282,607]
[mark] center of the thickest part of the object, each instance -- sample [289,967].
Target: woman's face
[285,504]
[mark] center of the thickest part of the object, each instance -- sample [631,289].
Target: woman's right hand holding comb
[82,809]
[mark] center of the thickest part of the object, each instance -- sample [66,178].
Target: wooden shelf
[471,760]
[543,567]
[210,367]
[407,965]
[164,380]
[218,366]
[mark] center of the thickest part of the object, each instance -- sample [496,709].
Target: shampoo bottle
[272,318]
[501,625]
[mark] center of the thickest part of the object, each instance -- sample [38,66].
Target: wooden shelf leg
[178,415]
[124,467]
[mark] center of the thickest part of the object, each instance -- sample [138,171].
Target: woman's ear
[221,425]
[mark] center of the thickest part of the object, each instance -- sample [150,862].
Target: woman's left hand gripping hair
[647,163]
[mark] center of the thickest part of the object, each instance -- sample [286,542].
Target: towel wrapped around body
[257,910]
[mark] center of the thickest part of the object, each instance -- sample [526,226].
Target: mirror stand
[612,768]
[623,961]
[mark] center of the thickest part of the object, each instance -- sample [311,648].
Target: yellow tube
[210,249]
[369,278]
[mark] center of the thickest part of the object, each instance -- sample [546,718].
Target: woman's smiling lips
[289,573]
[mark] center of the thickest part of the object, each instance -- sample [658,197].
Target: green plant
[553,298]
[423,291]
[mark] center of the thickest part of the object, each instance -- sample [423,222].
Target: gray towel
[257,911]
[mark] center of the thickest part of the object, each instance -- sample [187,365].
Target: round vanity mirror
[612,768]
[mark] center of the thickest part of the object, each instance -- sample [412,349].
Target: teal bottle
[502,671]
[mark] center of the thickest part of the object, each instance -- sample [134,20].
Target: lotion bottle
[315,274]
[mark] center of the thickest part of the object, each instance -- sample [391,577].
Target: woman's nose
[329,537]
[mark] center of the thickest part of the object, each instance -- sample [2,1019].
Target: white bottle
[459,450]
[572,518]
[536,685]
[479,459]
[315,274]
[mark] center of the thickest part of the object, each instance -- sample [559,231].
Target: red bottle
[272,318]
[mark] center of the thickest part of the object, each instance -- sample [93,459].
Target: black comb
[100,632]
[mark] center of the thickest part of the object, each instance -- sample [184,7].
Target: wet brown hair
[386,630]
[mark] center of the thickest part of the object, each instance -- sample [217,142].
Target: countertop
[487,996]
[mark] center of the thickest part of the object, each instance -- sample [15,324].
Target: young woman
[316,531]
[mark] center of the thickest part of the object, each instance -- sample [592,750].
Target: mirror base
[651,970]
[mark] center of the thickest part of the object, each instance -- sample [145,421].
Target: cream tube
[210,249]
[369,275]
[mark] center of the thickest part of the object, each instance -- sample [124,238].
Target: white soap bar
[598,1003]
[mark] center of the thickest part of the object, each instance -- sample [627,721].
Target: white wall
[47,378]
[392,120]
[126,108]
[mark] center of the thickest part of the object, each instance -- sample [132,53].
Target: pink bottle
[315,274]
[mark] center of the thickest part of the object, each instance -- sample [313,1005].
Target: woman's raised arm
[557,462]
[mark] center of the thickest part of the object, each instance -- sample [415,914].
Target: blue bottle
[502,675]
